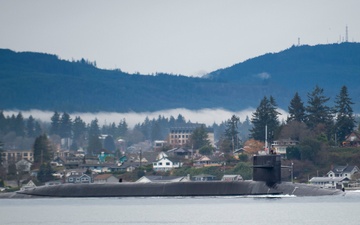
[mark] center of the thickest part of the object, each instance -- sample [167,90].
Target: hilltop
[42,81]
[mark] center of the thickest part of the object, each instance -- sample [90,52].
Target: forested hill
[300,69]
[42,81]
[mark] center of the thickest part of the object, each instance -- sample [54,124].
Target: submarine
[266,181]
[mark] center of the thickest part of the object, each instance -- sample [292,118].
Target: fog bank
[206,116]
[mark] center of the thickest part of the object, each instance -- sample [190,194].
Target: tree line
[315,125]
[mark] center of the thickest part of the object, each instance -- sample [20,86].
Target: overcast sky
[189,37]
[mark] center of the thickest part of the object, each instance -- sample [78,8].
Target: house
[343,171]
[24,165]
[232,178]
[330,182]
[207,161]
[105,178]
[159,144]
[204,177]
[104,155]
[166,164]
[180,152]
[97,168]
[149,179]
[27,186]
[279,146]
[337,177]
[352,140]
[76,177]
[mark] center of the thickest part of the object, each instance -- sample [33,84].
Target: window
[25,154]
[160,164]
[168,164]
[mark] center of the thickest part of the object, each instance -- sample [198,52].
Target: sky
[188,37]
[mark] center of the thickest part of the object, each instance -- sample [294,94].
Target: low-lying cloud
[206,116]
[263,75]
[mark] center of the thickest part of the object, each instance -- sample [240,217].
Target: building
[208,161]
[204,177]
[352,140]
[180,136]
[24,165]
[166,164]
[337,177]
[105,178]
[279,146]
[78,177]
[13,156]
[232,178]
[343,171]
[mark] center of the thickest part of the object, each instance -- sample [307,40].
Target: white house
[343,171]
[29,185]
[23,165]
[279,146]
[329,182]
[78,178]
[166,164]
[337,177]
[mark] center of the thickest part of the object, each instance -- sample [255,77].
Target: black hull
[217,188]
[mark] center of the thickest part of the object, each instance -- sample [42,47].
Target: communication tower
[346,34]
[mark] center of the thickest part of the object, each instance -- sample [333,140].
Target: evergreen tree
[231,131]
[94,143]
[296,110]
[78,129]
[55,124]
[345,121]
[1,151]
[19,125]
[65,126]
[265,115]
[317,111]
[45,173]
[156,131]
[42,150]
[109,143]
[30,127]
[3,123]
[37,131]
[199,137]
[122,128]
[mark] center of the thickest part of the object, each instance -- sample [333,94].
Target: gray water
[285,210]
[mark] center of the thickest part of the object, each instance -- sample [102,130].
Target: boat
[266,181]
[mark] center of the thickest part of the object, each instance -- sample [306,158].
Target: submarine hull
[215,188]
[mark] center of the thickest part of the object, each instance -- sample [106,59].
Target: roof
[103,176]
[161,178]
[344,169]
[353,136]
[204,175]
[328,179]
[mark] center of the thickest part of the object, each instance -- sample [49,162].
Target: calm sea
[285,210]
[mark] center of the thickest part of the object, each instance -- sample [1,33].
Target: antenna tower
[346,34]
